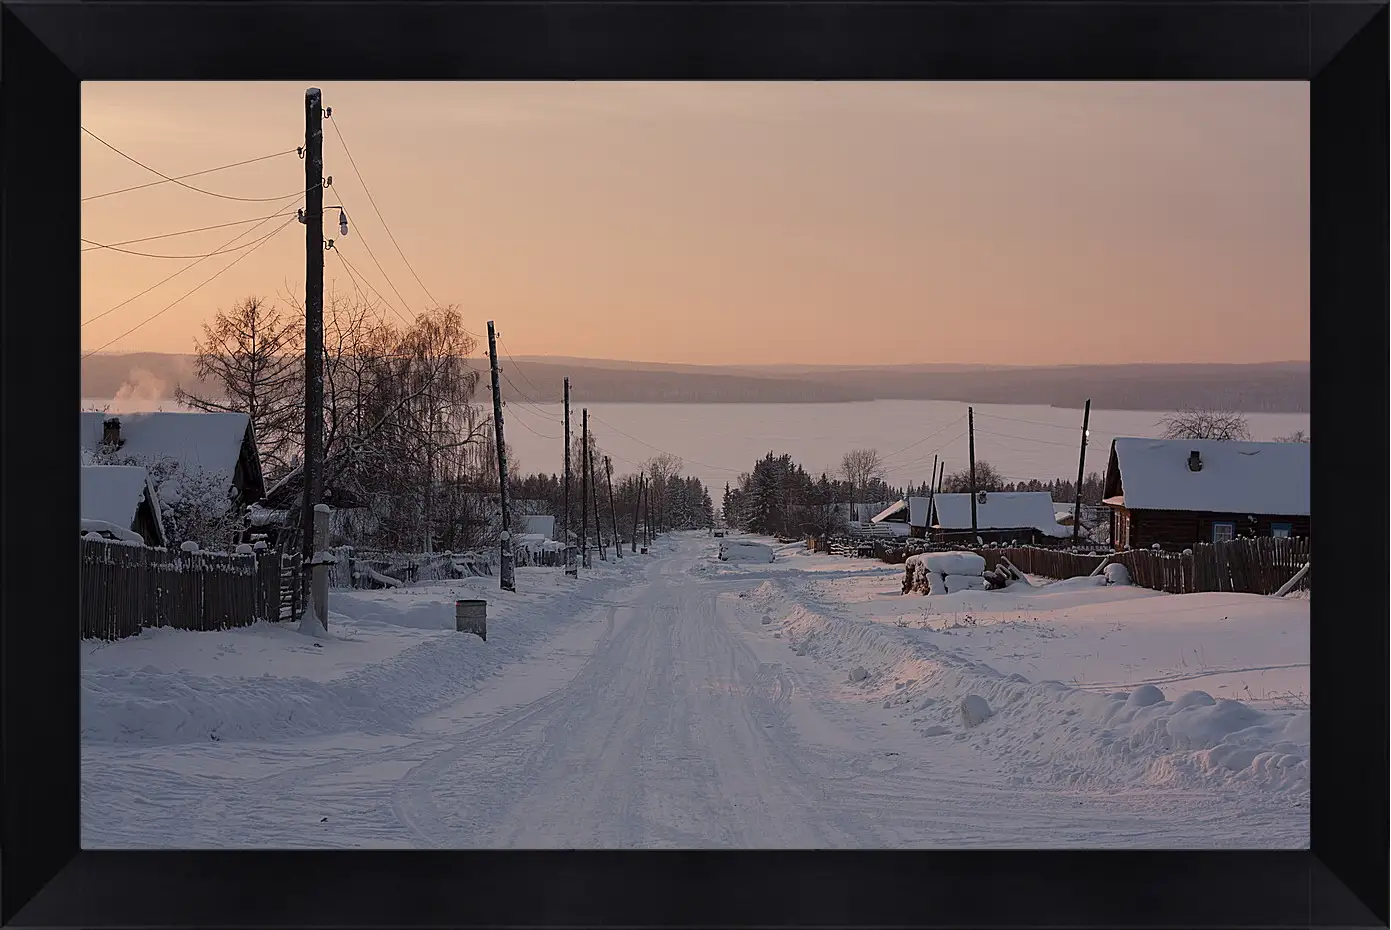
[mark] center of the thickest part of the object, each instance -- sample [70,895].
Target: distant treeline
[1267,388]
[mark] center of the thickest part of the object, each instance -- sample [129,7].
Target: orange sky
[740,223]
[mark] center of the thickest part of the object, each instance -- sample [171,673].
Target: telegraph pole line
[1081,464]
[598,519]
[637,512]
[971,428]
[613,511]
[569,550]
[313,327]
[506,578]
[584,488]
[931,488]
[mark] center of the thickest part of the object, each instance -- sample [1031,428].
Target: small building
[120,502]
[219,445]
[906,517]
[539,525]
[1022,517]
[1177,492]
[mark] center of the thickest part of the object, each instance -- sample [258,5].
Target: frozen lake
[719,441]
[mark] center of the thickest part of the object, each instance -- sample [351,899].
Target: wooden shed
[1177,492]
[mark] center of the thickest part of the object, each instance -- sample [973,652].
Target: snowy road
[664,720]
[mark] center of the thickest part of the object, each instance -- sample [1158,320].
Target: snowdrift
[745,552]
[1049,732]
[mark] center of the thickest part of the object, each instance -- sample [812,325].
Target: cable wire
[189,186]
[522,420]
[177,178]
[112,248]
[160,313]
[353,162]
[184,232]
[386,277]
[718,468]
[926,438]
[1046,442]
[996,416]
[189,265]
[353,269]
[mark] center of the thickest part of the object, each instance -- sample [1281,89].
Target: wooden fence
[1251,565]
[125,588]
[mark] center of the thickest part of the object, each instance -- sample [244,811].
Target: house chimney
[1195,463]
[111,433]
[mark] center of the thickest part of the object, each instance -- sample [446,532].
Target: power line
[113,248]
[1046,442]
[181,183]
[385,276]
[522,420]
[663,451]
[177,178]
[518,366]
[373,201]
[900,469]
[926,438]
[156,315]
[190,265]
[353,268]
[994,416]
[185,232]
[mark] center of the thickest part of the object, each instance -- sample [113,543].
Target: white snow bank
[955,583]
[949,563]
[1052,732]
[745,552]
[387,658]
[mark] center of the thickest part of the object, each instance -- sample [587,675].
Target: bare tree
[660,470]
[987,479]
[1298,435]
[253,354]
[859,468]
[1205,424]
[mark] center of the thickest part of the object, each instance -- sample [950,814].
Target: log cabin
[1177,492]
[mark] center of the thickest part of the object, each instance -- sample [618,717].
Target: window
[1281,530]
[1223,532]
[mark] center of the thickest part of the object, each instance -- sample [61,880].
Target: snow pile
[1050,732]
[950,563]
[1116,573]
[387,658]
[745,552]
[955,583]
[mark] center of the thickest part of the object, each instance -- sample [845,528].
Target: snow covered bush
[195,505]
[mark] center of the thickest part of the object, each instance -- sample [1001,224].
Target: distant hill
[1277,387]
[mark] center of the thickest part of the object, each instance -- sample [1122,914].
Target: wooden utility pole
[598,520]
[931,489]
[613,511]
[637,510]
[941,472]
[584,488]
[313,324]
[506,577]
[971,429]
[1081,464]
[565,525]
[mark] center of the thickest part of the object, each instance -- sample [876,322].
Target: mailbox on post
[471,617]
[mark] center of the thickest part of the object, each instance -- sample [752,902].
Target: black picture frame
[46,49]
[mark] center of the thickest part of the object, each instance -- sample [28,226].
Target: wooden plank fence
[125,588]
[1250,565]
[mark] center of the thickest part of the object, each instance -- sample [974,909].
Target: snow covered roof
[1236,477]
[540,526]
[209,441]
[861,512]
[1002,510]
[915,506]
[112,494]
[889,511]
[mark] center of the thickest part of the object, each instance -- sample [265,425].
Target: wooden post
[613,511]
[313,491]
[565,525]
[598,520]
[637,511]
[932,480]
[1081,464]
[506,578]
[584,488]
[971,429]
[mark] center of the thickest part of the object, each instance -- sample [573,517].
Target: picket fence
[125,588]
[1250,565]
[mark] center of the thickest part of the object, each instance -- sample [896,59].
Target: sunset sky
[812,223]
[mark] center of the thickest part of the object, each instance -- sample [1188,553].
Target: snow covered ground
[675,700]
